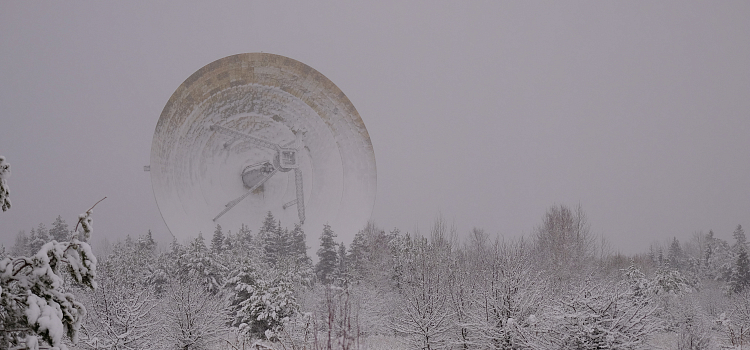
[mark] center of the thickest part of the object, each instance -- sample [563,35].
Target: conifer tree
[358,253]
[32,238]
[709,250]
[660,256]
[199,264]
[327,255]
[267,235]
[276,244]
[147,243]
[342,268]
[4,191]
[741,274]
[245,234]
[229,240]
[21,246]
[282,242]
[38,238]
[217,242]
[739,238]
[269,225]
[675,253]
[260,301]
[35,309]
[298,246]
[59,230]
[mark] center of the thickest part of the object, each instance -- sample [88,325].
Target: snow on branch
[35,307]
[4,191]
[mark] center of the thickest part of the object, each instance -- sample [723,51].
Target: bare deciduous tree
[193,318]
[563,240]
[425,315]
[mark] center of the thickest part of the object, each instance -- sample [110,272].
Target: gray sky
[488,112]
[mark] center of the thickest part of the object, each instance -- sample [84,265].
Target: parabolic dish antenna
[257,132]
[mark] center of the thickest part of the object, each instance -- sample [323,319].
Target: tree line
[561,288]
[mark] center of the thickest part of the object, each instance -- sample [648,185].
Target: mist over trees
[562,288]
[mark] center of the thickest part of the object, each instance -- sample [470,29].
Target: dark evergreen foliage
[325,269]
[674,255]
[298,245]
[217,241]
[740,240]
[342,268]
[741,274]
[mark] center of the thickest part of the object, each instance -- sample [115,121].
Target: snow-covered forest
[241,288]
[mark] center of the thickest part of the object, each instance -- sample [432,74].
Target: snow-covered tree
[59,230]
[122,310]
[674,254]
[597,315]
[146,244]
[509,290]
[740,278]
[260,302]
[35,307]
[198,263]
[719,258]
[342,265]
[244,235]
[192,318]
[4,190]
[563,240]
[325,269]
[217,241]
[266,235]
[39,237]
[21,245]
[120,315]
[740,240]
[298,245]
[277,245]
[668,281]
[358,254]
[369,257]
[425,315]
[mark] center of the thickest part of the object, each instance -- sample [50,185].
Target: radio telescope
[257,132]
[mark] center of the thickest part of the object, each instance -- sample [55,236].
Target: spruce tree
[229,241]
[739,238]
[741,273]
[709,251]
[147,243]
[59,230]
[21,246]
[327,256]
[298,245]
[276,244]
[244,236]
[660,256]
[342,268]
[198,262]
[675,253]
[4,191]
[217,242]
[283,241]
[269,225]
[358,254]
[38,238]
[267,238]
